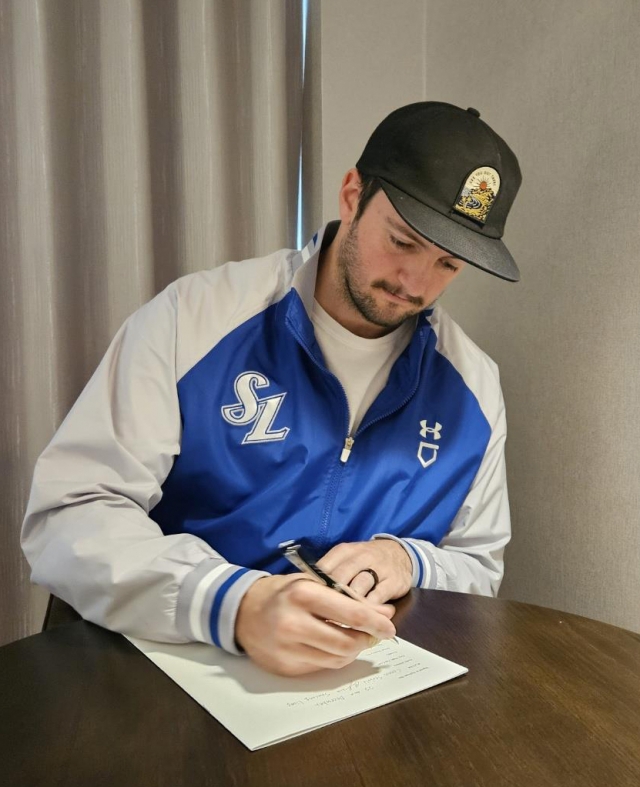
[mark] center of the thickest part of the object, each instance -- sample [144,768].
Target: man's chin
[383,311]
[396,310]
[388,318]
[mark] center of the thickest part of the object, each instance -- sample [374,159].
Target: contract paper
[261,709]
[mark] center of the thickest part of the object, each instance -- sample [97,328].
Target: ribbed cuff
[209,599]
[422,563]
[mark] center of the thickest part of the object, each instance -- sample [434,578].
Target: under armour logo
[435,431]
[251,409]
[431,448]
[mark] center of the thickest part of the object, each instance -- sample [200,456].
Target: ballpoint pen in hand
[302,558]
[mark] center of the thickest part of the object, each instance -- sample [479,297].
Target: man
[315,394]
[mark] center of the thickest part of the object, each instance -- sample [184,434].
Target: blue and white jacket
[212,431]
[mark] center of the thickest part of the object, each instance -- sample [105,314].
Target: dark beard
[349,262]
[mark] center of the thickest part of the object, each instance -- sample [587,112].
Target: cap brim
[488,254]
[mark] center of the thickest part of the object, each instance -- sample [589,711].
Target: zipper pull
[346,451]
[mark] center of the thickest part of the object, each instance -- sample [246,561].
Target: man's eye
[399,243]
[449,265]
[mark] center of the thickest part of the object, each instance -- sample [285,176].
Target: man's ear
[349,196]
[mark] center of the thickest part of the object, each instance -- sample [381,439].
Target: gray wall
[560,81]
[372,62]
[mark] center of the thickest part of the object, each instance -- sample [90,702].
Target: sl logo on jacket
[251,409]
[436,432]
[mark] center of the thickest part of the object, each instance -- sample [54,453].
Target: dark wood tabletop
[549,699]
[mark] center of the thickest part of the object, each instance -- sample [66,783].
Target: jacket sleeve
[87,533]
[469,559]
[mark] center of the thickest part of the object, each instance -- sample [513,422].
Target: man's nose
[414,276]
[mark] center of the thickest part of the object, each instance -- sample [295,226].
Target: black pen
[303,559]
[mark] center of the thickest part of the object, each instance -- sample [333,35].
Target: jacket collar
[306,264]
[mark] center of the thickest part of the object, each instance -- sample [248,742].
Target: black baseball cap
[450,177]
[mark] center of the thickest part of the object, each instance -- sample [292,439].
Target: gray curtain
[140,140]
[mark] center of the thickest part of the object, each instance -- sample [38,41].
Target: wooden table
[550,699]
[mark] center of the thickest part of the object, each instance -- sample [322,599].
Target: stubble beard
[349,267]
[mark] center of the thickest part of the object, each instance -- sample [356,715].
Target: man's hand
[347,563]
[282,625]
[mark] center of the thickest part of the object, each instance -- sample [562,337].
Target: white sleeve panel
[87,533]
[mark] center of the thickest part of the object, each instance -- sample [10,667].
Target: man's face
[387,272]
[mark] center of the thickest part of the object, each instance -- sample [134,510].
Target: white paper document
[260,708]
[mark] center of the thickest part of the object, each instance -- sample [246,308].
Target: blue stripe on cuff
[215,607]
[185,596]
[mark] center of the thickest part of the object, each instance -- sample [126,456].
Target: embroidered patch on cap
[478,194]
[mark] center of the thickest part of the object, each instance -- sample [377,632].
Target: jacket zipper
[348,443]
[334,480]
[346,451]
[349,439]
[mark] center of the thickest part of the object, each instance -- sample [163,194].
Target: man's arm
[468,559]
[87,533]
[89,539]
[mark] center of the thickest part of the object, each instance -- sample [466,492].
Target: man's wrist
[248,606]
[409,551]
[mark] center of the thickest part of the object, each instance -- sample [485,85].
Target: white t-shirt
[361,365]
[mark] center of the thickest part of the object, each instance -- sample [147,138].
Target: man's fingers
[329,605]
[343,569]
[322,644]
[381,594]
[363,583]
[318,658]
[358,640]
[350,564]
[331,638]
[310,657]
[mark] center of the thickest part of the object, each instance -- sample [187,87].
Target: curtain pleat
[139,141]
